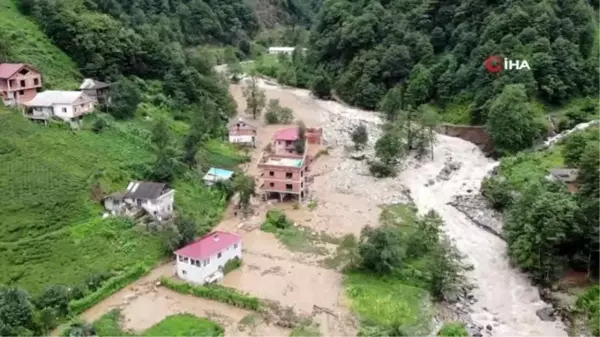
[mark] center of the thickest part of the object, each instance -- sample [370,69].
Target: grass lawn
[388,302]
[28,44]
[175,325]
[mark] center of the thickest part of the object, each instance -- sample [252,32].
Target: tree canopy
[438,49]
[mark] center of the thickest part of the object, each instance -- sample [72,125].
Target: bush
[216,293]
[277,114]
[112,286]
[498,192]
[232,264]
[453,329]
[99,125]
[276,219]
[359,136]
[381,170]
[589,302]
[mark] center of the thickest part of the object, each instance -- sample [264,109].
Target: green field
[389,302]
[176,325]
[51,231]
[28,44]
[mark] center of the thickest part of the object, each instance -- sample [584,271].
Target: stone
[546,314]
[489,327]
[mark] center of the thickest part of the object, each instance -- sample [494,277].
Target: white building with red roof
[203,260]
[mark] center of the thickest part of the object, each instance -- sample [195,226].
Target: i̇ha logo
[495,64]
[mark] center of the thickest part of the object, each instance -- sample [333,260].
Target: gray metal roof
[90,83]
[51,97]
[568,175]
[237,120]
[144,190]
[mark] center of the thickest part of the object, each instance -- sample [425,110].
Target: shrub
[589,302]
[232,264]
[216,293]
[110,287]
[359,136]
[381,170]
[99,125]
[498,192]
[276,219]
[453,329]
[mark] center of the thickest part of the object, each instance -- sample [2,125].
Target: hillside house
[567,177]
[283,140]
[284,172]
[203,261]
[19,83]
[96,90]
[216,174]
[154,199]
[68,106]
[242,132]
[283,50]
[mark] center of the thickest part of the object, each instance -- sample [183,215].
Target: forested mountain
[438,49]
[108,38]
[271,13]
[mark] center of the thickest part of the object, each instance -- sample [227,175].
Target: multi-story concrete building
[284,172]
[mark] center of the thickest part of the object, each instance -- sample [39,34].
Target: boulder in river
[546,314]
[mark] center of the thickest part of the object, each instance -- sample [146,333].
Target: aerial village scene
[214,197]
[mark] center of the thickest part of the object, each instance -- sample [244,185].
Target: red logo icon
[494,64]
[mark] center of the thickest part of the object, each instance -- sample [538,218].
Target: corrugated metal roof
[51,97]
[144,190]
[567,175]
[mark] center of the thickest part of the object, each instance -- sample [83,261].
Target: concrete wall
[196,271]
[474,134]
[275,178]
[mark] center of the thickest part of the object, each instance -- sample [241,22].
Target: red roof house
[203,260]
[19,83]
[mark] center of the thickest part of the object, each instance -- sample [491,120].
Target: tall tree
[125,97]
[511,120]
[392,103]
[255,98]
[245,186]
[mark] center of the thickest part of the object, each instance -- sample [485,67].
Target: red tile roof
[209,245]
[9,69]
[286,134]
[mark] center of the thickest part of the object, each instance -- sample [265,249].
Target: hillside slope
[27,43]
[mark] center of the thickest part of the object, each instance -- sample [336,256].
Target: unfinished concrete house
[284,172]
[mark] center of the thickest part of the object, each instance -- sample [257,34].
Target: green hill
[27,43]
[51,228]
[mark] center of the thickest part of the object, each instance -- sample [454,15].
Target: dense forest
[439,47]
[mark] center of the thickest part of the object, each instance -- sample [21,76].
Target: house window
[219,256]
[21,92]
[64,109]
[235,245]
[301,185]
[192,262]
[36,81]
[184,272]
[185,259]
[288,186]
[271,173]
[302,173]
[180,257]
[271,184]
[22,83]
[288,175]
